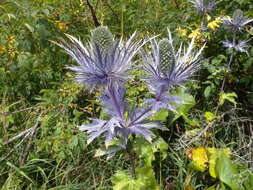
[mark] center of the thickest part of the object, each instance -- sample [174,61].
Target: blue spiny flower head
[240,46]
[204,6]
[182,64]
[237,22]
[102,61]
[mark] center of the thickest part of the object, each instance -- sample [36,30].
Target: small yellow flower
[195,33]
[12,54]
[213,25]
[12,40]
[181,31]
[61,25]
[2,50]
[208,17]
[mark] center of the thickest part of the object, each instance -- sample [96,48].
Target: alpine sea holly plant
[104,63]
[235,24]
[204,6]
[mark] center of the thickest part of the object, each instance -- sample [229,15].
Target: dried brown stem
[93,13]
[31,137]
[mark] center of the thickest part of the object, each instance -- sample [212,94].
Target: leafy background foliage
[209,143]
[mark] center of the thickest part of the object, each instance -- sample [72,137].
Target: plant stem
[224,80]
[113,97]
[143,113]
[93,13]
[229,64]
[131,157]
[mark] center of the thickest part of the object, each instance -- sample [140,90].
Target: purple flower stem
[143,113]
[114,99]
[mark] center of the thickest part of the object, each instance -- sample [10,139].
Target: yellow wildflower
[195,33]
[2,50]
[208,17]
[213,25]
[12,40]
[181,31]
[12,53]
[61,25]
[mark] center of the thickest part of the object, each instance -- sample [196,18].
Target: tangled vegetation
[126,95]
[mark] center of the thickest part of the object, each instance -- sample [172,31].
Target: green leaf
[210,116]
[213,187]
[207,91]
[29,27]
[161,146]
[19,171]
[229,97]
[249,182]
[12,183]
[123,181]
[223,187]
[147,151]
[183,108]
[213,154]
[161,115]
[227,172]
[74,142]
[145,180]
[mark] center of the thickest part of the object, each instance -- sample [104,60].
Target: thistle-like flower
[122,122]
[237,22]
[241,46]
[204,6]
[167,68]
[103,60]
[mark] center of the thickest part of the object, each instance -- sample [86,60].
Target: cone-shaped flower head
[237,22]
[103,37]
[180,66]
[102,61]
[165,54]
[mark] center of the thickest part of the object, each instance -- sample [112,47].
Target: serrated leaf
[123,181]
[145,179]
